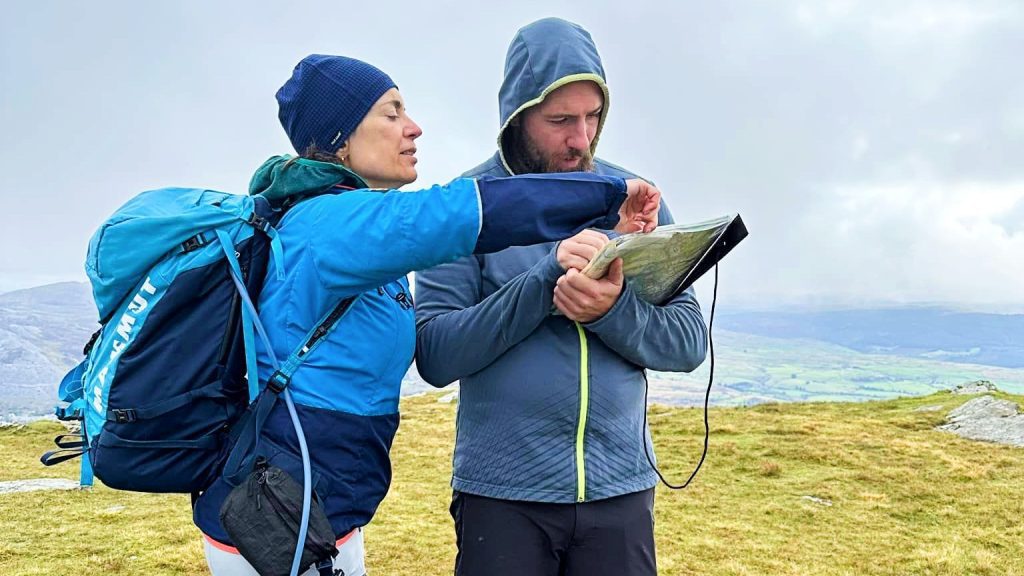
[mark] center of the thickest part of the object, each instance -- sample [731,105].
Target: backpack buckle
[91,342]
[193,243]
[64,415]
[277,382]
[124,415]
[258,222]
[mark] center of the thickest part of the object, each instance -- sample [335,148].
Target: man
[550,470]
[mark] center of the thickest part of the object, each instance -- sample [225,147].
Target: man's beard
[528,159]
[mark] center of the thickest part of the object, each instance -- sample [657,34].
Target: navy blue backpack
[167,395]
[164,379]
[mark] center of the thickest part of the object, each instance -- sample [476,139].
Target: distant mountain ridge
[761,356]
[925,332]
[42,332]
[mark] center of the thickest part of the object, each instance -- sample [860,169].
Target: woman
[348,121]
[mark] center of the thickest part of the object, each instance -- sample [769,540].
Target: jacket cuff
[622,308]
[550,269]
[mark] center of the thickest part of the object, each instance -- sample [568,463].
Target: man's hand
[578,251]
[639,213]
[584,300]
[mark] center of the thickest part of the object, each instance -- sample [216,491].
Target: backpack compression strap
[248,310]
[71,391]
[276,250]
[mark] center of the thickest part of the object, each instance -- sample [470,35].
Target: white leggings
[226,561]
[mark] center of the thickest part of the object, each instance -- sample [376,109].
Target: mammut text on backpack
[125,325]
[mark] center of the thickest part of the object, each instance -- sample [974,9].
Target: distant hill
[42,331]
[760,356]
[751,369]
[925,332]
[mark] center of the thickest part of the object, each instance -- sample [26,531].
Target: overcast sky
[873,148]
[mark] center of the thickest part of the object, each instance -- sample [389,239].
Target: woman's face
[382,149]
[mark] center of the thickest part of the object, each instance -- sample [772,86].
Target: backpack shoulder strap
[313,339]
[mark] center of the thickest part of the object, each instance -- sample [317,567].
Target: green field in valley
[751,369]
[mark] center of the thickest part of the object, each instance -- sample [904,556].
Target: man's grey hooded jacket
[549,410]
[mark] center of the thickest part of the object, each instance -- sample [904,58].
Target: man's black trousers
[507,537]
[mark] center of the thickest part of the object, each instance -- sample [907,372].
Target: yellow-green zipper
[581,471]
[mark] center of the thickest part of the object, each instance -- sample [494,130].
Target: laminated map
[662,263]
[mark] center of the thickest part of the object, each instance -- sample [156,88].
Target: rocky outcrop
[988,419]
[976,387]
[37,484]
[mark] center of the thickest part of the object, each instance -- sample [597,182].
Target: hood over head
[543,57]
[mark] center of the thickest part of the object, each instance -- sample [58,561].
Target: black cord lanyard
[707,430]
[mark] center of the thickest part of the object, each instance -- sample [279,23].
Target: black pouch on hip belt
[262,515]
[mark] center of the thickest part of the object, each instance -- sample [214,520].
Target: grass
[905,499]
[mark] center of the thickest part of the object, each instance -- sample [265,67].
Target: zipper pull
[403,301]
[258,480]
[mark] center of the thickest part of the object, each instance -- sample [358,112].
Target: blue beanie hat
[326,98]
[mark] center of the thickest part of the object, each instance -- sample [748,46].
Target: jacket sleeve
[668,338]
[362,238]
[453,322]
[536,208]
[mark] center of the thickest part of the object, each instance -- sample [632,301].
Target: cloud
[903,21]
[956,19]
[867,144]
[1012,220]
[923,241]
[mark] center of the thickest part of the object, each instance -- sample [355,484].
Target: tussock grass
[905,499]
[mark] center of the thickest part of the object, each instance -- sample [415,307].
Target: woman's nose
[413,130]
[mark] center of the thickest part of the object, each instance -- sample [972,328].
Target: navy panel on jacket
[350,465]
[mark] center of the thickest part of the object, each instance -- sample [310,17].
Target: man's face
[557,132]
